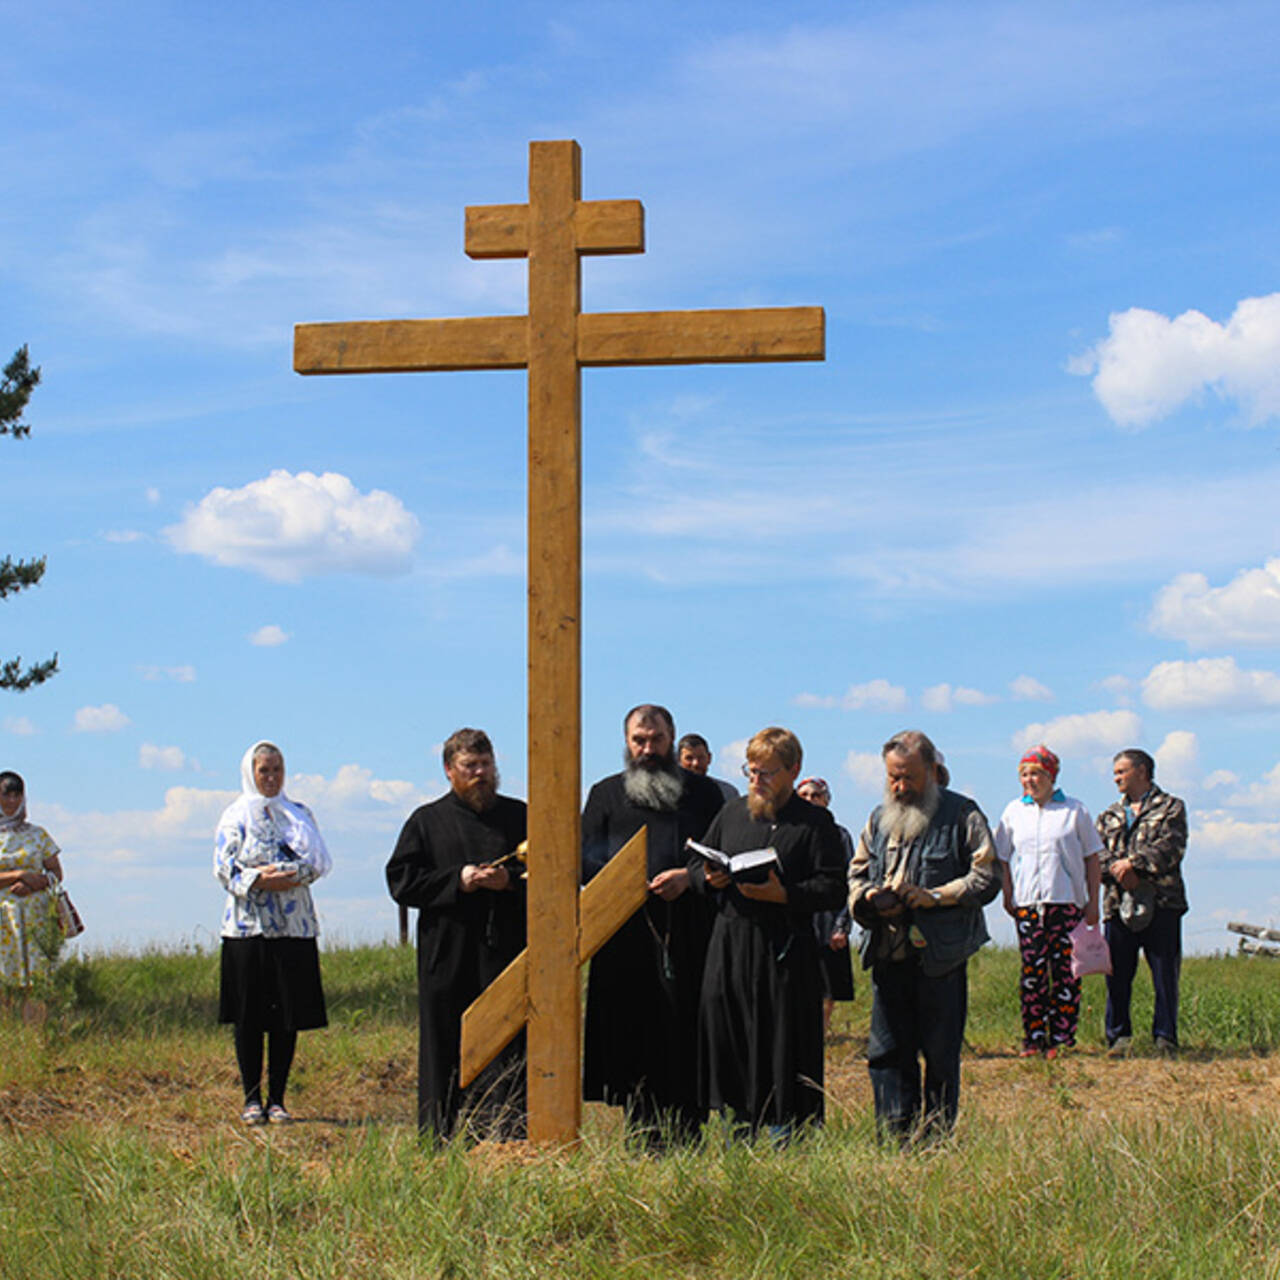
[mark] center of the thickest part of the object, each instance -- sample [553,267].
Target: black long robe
[464,941]
[642,991]
[760,1017]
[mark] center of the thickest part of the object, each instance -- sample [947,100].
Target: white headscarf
[19,818]
[293,822]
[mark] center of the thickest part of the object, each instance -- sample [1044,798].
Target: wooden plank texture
[555,680]
[494,1019]
[613,895]
[701,337]
[412,346]
[600,226]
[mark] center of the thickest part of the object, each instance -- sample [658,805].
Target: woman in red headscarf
[1048,849]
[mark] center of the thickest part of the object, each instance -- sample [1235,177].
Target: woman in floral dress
[268,849]
[29,866]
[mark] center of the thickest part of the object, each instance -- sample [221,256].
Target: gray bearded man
[642,993]
[924,868]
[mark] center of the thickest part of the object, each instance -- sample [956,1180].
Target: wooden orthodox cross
[554,342]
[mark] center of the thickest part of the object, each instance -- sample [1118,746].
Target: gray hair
[911,742]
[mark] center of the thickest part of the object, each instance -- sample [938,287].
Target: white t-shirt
[1045,847]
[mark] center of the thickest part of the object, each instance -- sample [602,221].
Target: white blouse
[1046,847]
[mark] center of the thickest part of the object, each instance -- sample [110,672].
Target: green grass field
[121,1156]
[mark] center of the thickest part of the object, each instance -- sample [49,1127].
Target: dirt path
[177,1107]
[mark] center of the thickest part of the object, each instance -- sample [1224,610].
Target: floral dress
[29,931]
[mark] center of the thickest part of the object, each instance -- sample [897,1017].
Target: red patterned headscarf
[1044,759]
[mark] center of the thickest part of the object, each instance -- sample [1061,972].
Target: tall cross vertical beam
[555,341]
[555,649]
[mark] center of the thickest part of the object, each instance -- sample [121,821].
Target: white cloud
[1215,831]
[286,527]
[1178,761]
[354,797]
[875,695]
[123,535]
[180,675]
[153,495]
[20,726]
[1221,778]
[187,813]
[1087,733]
[942,697]
[170,758]
[1244,612]
[865,769]
[732,756]
[1149,365]
[269,636]
[1029,689]
[107,718]
[1209,684]
[1120,688]
[1264,795]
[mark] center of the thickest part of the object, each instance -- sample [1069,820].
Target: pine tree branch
[18,575]
[19,381]
[13,677]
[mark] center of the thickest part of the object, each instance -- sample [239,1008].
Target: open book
[751,867]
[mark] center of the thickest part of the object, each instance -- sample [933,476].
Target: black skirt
[837,973]
[273,983]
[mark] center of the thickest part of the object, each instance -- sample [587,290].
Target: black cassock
[464,941]
[760,1019]
[642,991]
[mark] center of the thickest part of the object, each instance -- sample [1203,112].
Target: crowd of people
[716,994]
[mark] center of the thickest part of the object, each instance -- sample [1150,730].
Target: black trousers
[915,1016]
[1161,943]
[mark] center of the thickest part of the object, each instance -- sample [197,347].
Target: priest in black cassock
[760,1024]
[642,992]
[471,924]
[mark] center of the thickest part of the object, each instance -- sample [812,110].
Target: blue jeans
[1161,942]
[914,1016]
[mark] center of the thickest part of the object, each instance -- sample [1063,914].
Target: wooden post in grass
[554,342]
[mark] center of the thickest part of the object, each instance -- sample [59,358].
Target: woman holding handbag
[1048,849]
[29,876]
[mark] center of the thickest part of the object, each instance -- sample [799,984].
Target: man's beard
[906,820]
[762,808]
[654,783]
[479,794]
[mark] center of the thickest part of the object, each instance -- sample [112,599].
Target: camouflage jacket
[1155,844]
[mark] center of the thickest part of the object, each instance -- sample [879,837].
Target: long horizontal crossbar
[746,335]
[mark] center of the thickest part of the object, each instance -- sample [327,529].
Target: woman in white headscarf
[268,849]
[29,867]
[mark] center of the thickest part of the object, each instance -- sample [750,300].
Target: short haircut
[1135,755]
[694,742]
[776,742]
[648,713]
[474,742]
[11,784]
[911,742]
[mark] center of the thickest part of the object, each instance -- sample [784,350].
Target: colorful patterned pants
[1050,995]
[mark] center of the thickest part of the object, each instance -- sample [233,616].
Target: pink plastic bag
[1089,951]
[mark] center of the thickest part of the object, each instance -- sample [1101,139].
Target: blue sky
[1029,495]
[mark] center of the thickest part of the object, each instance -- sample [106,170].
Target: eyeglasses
[752,773]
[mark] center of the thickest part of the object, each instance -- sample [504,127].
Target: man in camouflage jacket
[1144,898]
